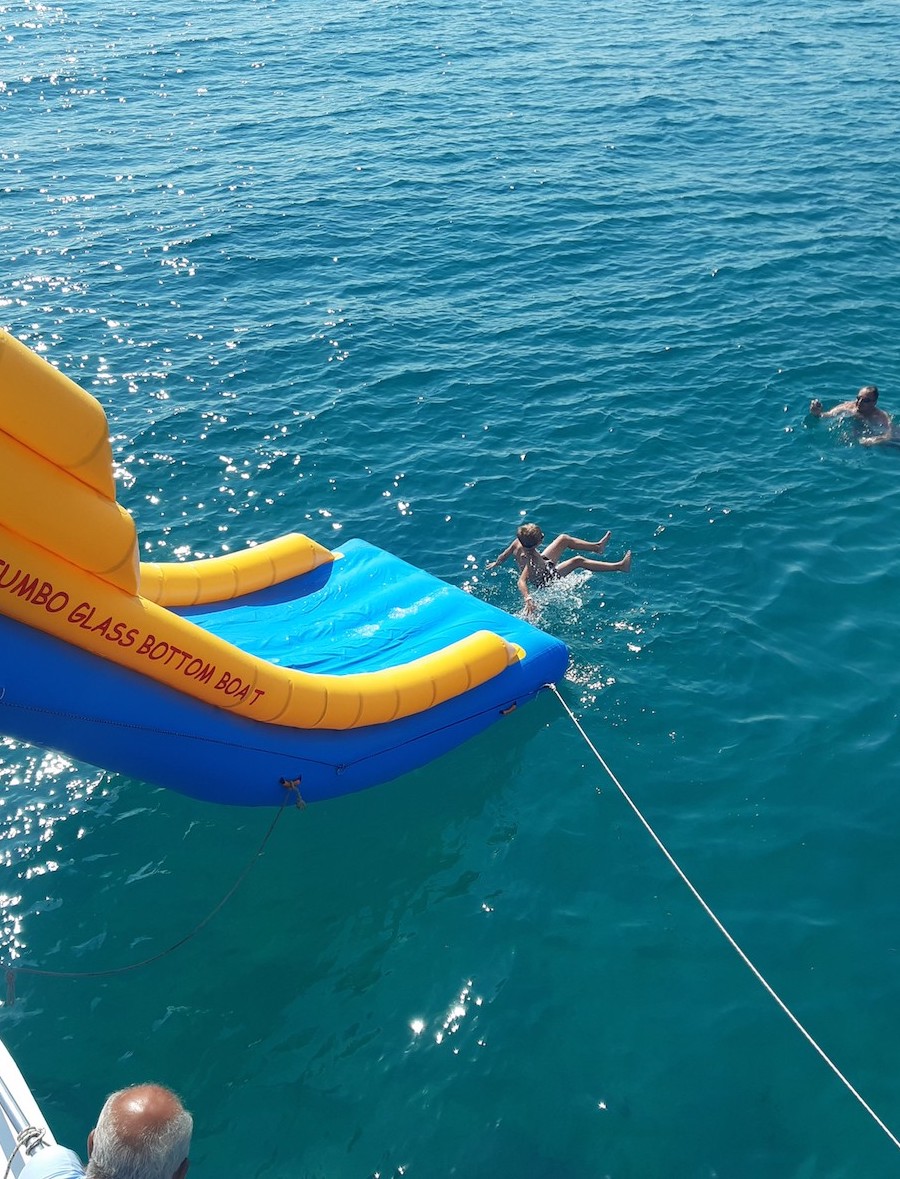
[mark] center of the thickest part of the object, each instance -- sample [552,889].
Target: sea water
[417,272]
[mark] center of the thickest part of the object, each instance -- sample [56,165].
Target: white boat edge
[18,1110]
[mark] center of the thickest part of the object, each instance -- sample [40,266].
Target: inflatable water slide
[285,664]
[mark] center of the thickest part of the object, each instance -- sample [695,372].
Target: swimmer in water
[539,567]
[864,409]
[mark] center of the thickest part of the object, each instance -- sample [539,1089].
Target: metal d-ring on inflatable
[221,678]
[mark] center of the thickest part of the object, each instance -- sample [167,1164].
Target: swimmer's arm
[523,590]
[504,556]
[815,408]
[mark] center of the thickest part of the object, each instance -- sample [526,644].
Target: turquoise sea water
[415,272]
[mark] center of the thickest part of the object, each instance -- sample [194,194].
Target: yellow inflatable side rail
[218,579]
[50,414]
[52,595]
[69,518]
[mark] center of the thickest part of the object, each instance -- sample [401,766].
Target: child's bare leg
[590,546]
[564,541]
[566,567]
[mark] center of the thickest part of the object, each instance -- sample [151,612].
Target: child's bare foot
[625,563]
[599,545]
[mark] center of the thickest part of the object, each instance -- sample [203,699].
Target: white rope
[28,1139]
[721,928]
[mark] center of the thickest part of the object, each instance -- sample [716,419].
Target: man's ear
[90,1143]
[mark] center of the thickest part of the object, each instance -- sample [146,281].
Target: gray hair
[156,1155]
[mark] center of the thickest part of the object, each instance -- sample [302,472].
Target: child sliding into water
[540,567]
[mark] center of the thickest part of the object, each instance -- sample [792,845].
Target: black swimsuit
[546,572]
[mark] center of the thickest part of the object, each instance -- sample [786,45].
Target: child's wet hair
[529,535]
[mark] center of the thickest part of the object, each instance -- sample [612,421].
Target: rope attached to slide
[291,790]
[721,928]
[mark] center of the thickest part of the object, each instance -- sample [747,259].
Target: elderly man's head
[142,1133]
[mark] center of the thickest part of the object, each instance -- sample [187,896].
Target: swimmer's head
[529,536]
[867,395]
